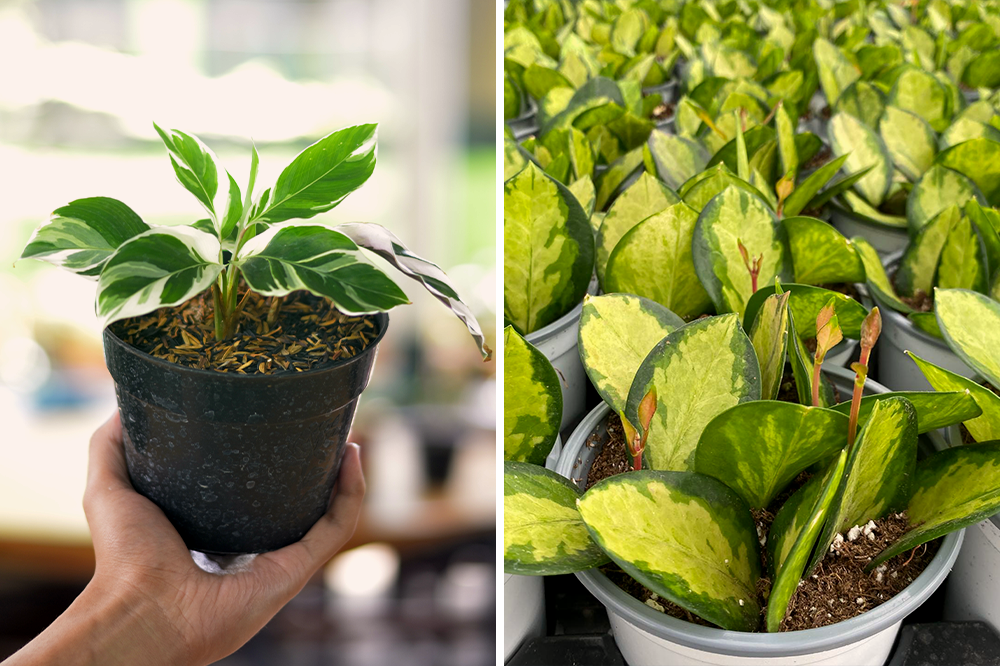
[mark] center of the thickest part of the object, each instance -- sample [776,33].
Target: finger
[106,468]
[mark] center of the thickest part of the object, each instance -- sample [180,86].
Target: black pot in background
[238,463]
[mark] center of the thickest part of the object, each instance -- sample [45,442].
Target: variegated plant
[718,445]
[246,238]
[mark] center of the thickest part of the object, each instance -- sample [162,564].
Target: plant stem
[219,315]
[637,462]
[815,381]
[861,368]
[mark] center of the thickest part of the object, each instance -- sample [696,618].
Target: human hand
[150,602]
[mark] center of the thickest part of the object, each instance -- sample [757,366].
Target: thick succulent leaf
[539,80]
[952,489]
[322,261]
[875,276]
[937,189]
[532,401]
[926,322]
[934,410]
[610,182]
[617,331]
[583,189]
[979,159]
[963,259]
[677,159]
[705,189]
[549,250]
[849,136]
[983,71]
[872,214]
[880,469]
[982,428]
[543,533]
[918,267]
[769,336]
[862,100]
[910,140]
[515,158]
[920,93]
[836,72]
[987,223]
[384,243]
[793,536]
[757,448]
[158,268]
[970,322]
[646,196]
[754,138]
[964,129]
[838,187]
[320,176]
[803,364]
[699,371]
[805,302]
[811,186]
[685,536]
[654,260]
[731,217]
[820,253]
[82,235]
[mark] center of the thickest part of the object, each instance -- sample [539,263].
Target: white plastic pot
[885,239]
[897,370]
[973,591]
[558,342]
[649,638]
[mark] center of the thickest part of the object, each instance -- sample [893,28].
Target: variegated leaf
[803,365]
[786,143]
[987,224]
[731,217]
[611,181]
[963,259]
[952,489]
[617,331]
[769,336]
[934,410]
[880,469]
[910,140]
[646,196]
[532,401]
[548,250]
[862,100]
[805,302]
[979,159]
[983,71]
[698,371]
[654,260]
[685,536]
[754,138]
[836,72]
[757,448]
[970,322]
[677,159]
[939,188]
[704,190]
[82,235]
[793,536]
[322,261]
[920,93]
[820,254]
[964,129]
[982,428]
[583,189]
[849,136]
[543,533]
[384,243]
[805,196]
[918,267]
[158,268]
[871,214]
[875,277]
[926,322]
[514,158]
[320,176]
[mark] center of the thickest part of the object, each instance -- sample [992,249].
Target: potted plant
[239,344]
[683,526]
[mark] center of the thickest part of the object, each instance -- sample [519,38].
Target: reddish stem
[815,382]
[859,386]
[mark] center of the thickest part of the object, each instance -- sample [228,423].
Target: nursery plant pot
[666,90]
[883,238]
[526,123]
[647,637]
[238,463]
[897,370]
[558,342]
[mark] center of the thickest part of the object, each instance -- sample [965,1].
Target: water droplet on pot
[251,484]
[256,503]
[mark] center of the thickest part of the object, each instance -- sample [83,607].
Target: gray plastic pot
[667,91]
[526,123]
[649,638]
[897,370]
[885,239]
[558,342]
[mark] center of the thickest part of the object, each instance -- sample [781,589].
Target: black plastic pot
[238,463]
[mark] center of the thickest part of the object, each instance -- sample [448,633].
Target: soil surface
[276,335]
[613,457]
[819,159]
[920,301]
[663,112]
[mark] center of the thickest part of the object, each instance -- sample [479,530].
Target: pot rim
[382,318]
[759,644]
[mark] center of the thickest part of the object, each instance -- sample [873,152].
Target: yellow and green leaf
[970,322]
[919,265]
[865,149]
[934,409]
[936,190]
[820,253]
[676,159]
[910,140]
[769,336]
[979,159]
[532,401]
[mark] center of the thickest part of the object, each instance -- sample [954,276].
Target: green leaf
[983,71]
[82,235]
[926,322]
[654,260]
[646,196]
[685,536]
[609,182]
[677,159]
[920,93]
[987,223]
[532,401]
[805,303]
[158,268]
[938,189]
[982,428]
[836,72]
[549,250]
[769,336]
[978,159]
[384,243]
[322,261]
[837,187]
[871,214]
[820,254]
[969,321]
[539,80]
[964,129]
[880,468]
[758,448]
[963,259]
[875,277]
[543,533]
[755,138]
[808,188]
[793,535]
[934,410]
[952,489]
[863,101]
[699,371]
[700,192]
[849,136]
[583,190]
[514,158]
[617,331]
[910,140]
[320,176]
[919,265]
[803,363]
[735,215]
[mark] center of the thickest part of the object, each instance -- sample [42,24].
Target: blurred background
[81,83]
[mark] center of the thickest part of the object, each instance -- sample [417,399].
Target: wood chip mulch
[276,335]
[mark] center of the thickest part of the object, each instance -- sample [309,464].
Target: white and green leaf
[865,149]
